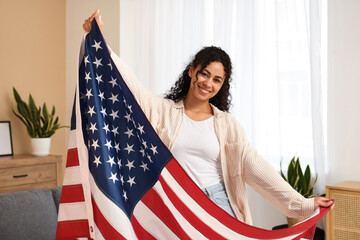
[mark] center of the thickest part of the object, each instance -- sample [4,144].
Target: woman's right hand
[88,22]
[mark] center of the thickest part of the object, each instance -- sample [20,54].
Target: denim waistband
[214,189]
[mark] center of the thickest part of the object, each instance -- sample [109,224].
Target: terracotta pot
[293,221]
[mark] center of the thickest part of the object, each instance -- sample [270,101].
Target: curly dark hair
[204,57]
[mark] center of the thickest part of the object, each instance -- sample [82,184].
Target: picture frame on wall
[6,148]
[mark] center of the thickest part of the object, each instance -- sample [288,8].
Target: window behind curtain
[268,42]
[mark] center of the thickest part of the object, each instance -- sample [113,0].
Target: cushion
[28,215]
[56,192]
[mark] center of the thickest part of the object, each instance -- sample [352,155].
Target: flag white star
[95,144]
[86,60]
[113,177]
[119,163]
[133,121]
[129,107]
[91,111]
[124,100]
[109,64]
[122,179]
[97,161]
[142,151]
[106,128]
[93,127]
[87,77]
[124,195]
[108,144]
[82,96]
[114,114]
[129,132]
[117,148]
[103,111]
[88,93]
[114,130]
[113,81]
[97,45]
[153,148]
[111,161]
[130,164]
[114,98]
[129,148]
[98,78]
[141,129]
[101,95]
[127,116]
[144,143]
[131,181]
[148,156]
[138,137]
[144,166]
[97,62]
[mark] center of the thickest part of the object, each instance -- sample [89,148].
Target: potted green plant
[301,181]
[40,124]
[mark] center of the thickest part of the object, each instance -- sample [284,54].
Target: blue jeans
[218,195]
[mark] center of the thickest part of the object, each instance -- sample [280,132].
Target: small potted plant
[301,181]
[40,124]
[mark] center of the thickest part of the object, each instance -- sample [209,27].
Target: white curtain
[275,49]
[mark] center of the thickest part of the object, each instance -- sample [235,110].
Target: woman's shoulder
[225,115]
[228,122]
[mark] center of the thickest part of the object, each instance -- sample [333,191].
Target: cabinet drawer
[27,174]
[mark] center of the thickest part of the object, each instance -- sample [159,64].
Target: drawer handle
[20,176]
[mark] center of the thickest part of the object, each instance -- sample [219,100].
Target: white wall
[76,12]
[343,90]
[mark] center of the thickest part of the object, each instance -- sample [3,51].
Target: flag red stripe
[72,229]
[72,158]
[250,231]
[107,231]
[140,232]
[198,195]
[152,200]
[72,193]
[188,214]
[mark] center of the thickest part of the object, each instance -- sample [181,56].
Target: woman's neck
[197,110]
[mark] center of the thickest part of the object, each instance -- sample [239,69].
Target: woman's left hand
[323,202]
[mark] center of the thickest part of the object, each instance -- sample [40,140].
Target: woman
[208,142]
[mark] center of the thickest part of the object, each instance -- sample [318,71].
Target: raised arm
[264,179]
[148,101]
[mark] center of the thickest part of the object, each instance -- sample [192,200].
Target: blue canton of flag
[124,161]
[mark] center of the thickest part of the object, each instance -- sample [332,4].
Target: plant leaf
[281,172]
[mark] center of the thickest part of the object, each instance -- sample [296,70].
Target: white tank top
[197,149]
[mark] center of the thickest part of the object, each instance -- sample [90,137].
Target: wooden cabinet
[343,222]
[23,172]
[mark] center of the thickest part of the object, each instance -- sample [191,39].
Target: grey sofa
[29,214]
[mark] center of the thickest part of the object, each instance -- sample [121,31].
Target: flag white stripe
[151,223]
[72,176]
[187,227]
[212,222]
[97,233]
[72,139]
[72,211]
[111,212]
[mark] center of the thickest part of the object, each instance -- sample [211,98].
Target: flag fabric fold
[121,181]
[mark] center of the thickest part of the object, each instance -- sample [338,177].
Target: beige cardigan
[240,163]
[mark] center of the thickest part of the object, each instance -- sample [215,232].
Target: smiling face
[206,83]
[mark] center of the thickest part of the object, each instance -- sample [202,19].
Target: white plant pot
[40,146]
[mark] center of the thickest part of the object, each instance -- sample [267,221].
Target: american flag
[121,181]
